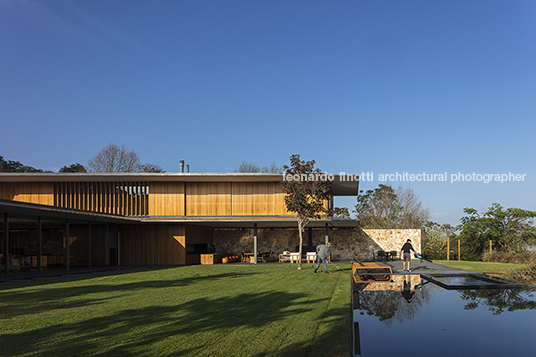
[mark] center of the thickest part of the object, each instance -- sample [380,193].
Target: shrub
[525,274]
[523,257]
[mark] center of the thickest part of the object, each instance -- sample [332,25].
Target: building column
[39,243]
[89,244]
[6,243]
[326,235]
[67,263]
[255,241]
[118,247]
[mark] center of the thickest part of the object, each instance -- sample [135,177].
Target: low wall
[347,243]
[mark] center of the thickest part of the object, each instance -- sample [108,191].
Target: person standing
[406,289]
[323,253]
[405,254]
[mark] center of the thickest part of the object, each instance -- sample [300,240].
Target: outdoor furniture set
[309,257]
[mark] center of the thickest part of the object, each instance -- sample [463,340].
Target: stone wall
[347,243]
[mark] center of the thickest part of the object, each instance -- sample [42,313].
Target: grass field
[219,310]
[478,267]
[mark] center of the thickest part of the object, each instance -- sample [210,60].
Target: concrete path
[418,267]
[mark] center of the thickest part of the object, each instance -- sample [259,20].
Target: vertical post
[255,242]
[448,248]
[459,255]
[118,249]
[490,249]
[326,235]
[6,243]
[89,245]
[39,243]
[67,263]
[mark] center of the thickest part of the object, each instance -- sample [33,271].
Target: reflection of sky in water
[465,280]
[440,322]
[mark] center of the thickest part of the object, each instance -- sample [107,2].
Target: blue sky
[358,86]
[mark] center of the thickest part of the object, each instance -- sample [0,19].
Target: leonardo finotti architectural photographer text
[407,177]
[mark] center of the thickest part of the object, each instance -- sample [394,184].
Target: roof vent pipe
[187,168]
[181,166]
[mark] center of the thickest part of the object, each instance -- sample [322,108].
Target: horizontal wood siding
[208,198]
[166,199]
[153,244]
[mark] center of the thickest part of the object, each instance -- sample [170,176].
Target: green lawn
[478,267]
[219,310]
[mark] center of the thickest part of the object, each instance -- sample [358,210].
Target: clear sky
[359,86]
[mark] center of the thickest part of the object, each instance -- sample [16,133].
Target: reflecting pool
[410,316]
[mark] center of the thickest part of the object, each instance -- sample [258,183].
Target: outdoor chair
[382,255]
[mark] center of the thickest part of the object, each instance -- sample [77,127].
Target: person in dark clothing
[322,254]
[406,289]
[405,253]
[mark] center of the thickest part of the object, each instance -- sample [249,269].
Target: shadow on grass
[42,298]
[138,331]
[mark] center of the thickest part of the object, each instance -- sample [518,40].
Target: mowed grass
[218,310]
[478,267]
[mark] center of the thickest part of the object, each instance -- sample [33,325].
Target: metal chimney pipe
[187,168]
[181,166]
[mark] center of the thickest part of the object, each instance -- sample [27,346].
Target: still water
[428,320]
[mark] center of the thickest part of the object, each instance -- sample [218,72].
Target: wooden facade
[30,192]
[158,219]
[155,198]
[161,244]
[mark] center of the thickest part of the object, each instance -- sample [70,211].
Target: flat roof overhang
[248,222]
[343,185]
[26,213]
[23,212]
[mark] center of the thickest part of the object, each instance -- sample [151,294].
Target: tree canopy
[307,198]
[115,158]
[15,166]
[510,229]
[73,168]
[248,166]
[385,208]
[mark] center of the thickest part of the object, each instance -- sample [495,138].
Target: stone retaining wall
[347,243]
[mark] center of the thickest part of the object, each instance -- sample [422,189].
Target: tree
[73,168]
[113,158]
[510,229]
[151,168]
[385,208]
[436,242]
[342,212]
[15,166]
[306,193]
[247,166]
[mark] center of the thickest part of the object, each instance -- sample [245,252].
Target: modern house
[148,218]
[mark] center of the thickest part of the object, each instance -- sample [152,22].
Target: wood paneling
[30,192]
[153,244]
[79,246]
[166,199]
[208,198]
[123,198]
[258,199]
